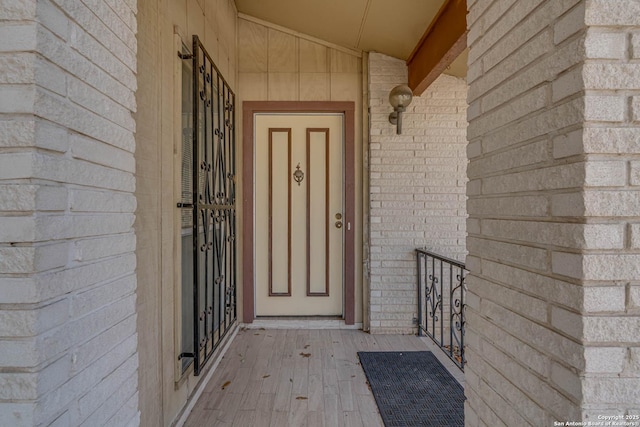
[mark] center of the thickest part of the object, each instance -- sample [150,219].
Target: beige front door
[299,214]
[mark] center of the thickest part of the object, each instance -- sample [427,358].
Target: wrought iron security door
[213,206]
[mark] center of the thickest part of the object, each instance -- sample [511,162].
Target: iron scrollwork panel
[457,318]
[441,305]
[214,206]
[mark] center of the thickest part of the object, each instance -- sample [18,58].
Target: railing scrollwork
[441,307]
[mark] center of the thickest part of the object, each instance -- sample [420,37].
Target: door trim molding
[249,109]
[327,242]
[270,254]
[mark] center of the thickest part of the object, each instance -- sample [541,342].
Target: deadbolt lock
[338,216]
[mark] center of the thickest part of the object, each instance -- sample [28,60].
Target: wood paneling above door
[277,65]
[313,57]
[282,52]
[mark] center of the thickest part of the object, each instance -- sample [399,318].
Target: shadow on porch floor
[287,377]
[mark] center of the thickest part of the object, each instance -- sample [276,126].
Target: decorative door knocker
[298,175]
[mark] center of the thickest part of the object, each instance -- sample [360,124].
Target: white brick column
[611,199]
[417,183]
[68,346]
[553,318]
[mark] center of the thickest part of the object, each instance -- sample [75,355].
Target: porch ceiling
[390,27]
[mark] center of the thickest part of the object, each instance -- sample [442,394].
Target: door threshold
[316,317]
[309,322]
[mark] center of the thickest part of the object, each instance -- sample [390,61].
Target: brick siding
[552,210]
[67,263]
[610,200]
[417,184]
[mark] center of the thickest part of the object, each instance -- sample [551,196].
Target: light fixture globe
[400,97]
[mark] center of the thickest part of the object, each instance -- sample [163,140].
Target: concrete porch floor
[298,377]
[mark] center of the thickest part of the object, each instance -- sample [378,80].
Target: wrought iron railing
[441,289]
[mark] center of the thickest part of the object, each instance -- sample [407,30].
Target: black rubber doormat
[412,388]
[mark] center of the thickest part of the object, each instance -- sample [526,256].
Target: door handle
[338,224]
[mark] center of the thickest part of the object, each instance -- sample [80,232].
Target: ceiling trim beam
[363,22]
[440,45]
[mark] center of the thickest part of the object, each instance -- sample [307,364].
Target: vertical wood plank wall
[276,64]
[162,393]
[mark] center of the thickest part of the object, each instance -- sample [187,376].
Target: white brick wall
[553,210]
[610,321]
[522,330]
[417,183]
[68,343]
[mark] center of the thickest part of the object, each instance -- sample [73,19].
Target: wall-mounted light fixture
[400,97]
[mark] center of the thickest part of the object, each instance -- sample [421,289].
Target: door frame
[249,109]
